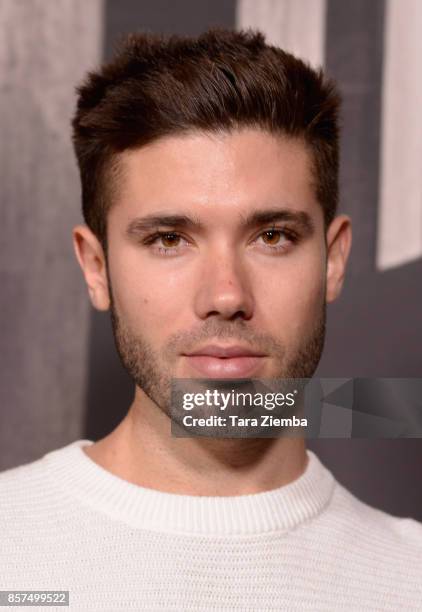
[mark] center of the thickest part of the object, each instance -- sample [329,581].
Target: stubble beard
[150,372]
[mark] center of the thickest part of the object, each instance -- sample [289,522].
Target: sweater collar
[280,509]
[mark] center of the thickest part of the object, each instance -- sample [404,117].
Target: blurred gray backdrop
[60,378]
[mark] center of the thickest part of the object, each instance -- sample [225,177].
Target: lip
[215,361]
[224,352]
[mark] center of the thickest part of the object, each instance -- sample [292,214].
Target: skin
[224,283]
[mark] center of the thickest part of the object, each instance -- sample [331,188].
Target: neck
[143,451]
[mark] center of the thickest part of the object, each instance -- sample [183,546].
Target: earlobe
[339,242]
[91,258]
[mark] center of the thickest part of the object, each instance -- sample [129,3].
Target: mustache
[185,342]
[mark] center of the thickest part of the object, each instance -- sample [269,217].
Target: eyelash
[291,236]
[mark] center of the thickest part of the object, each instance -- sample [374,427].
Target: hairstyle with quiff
[157,86]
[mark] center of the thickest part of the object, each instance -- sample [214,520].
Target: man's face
[226,270]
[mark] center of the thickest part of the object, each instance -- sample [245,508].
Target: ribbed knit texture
[68,524]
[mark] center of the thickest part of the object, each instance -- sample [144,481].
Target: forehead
[218,175]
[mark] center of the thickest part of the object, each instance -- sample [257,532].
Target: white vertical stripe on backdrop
[297,26]
[46,46]
[399,237]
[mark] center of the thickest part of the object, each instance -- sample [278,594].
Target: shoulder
[365,548]
[23,489]
[17,478]
[358,524]
[367,519]
[389,545]
[26,510]
[30,490]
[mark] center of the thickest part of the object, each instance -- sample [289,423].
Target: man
[209,172]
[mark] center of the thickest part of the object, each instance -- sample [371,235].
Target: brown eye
[170,240]
[271,237]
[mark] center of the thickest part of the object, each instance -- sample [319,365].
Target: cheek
[294,302]
[145,296]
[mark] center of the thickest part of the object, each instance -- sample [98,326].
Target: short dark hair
[221,80]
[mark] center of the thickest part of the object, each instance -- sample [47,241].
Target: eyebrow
[301,219]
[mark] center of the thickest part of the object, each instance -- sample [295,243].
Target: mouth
[215,361]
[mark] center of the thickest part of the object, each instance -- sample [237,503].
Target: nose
[224,289]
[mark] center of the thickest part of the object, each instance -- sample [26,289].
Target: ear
[339,242]
[91,258]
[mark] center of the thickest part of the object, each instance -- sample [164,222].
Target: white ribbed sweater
[68,524]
